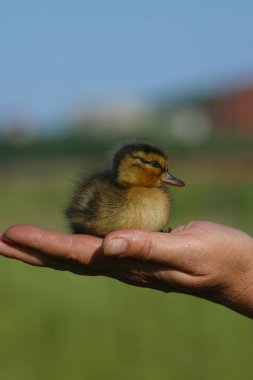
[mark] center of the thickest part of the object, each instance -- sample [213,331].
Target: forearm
[240,298]
[237,294]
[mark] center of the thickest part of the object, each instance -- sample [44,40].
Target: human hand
[44,248]
[200,258]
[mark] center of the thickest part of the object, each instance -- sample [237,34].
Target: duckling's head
[141,164]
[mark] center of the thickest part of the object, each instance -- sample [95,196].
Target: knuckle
[146,249]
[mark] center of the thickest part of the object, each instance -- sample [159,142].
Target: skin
[199,258]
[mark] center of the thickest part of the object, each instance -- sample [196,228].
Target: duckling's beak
[169,179]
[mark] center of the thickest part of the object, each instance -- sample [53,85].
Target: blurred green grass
[56,325]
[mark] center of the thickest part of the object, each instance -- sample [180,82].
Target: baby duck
[131,194]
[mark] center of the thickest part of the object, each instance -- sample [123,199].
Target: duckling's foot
[167,230]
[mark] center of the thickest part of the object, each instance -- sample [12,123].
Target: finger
[35,258]
[130,271]
[143,273]
[161,248]
[79,248]
[127,271]
[14,252]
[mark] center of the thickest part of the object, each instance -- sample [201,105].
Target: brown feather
[129,195]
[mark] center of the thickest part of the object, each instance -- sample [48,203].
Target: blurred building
[188,119]
[190,124]
[119,115]
[233,110]
[195,118]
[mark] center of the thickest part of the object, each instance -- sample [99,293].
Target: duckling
[130,194]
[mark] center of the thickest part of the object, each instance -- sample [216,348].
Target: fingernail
[115,246]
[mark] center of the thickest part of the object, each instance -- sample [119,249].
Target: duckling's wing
[81,199]
[92,204]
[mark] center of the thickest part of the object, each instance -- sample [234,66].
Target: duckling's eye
[155,164]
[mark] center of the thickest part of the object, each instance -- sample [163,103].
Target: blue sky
[57,54]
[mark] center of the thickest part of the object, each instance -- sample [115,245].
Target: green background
[56,325]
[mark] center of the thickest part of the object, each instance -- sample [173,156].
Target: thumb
[142,245]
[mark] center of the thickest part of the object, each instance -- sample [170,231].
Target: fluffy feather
[130,194]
